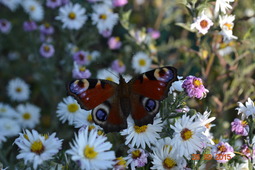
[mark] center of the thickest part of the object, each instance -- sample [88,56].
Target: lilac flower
[222,152]
[46,29]
[240,127]
[53,3]
[118,66]
[5,26]
[64,2]
[106,33]
[80,72]
[194,87]
[136,158]
[114,43]
[155,34]
[81,57]
[119,3]
[47,50]
[29,26]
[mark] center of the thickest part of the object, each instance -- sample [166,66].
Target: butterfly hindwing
[91,92]
[154,84]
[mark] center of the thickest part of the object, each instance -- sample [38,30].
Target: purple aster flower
[106,33]
[53,3]
[5,26]
[46,29]
[81,57]
[240,127]
[80,72]
[222,152]
[114,43]
[137,158]
[246,151]
[29,26]
[194,87]
[47,50]
[64,2]
[118,66]
[155,34]
[119,3]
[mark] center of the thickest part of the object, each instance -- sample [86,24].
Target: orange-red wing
[154,84]
[91,92]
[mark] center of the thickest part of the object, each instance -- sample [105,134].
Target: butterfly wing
[102,97]
[148,89]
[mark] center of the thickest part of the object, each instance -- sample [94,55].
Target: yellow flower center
[222,148]
[203,24]
[89,152]
[136,154]
[120,63]
[121,162]
[32,8]
[82,69]
[208,125]
[169,163]
[244,123]
[72,15]
[89,57]
[47,25]
[103,16]
[89,118]
[26,116]
[186,134]
[197,83]
[109,78]
[72,107]
[229,26]
[46,48]
[18,89]
[140,129]
[37,147]
[117,38]
[142,62]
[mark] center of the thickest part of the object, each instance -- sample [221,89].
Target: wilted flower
[137,158]
[222,152]
[202,23]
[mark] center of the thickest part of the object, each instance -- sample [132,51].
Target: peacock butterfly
[112,102]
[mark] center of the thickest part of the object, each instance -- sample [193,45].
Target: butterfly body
[112,103]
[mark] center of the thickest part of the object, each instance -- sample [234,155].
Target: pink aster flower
[247,151]
[47,50]
[118,66]
[222,152]
[5,26]
[240,127]
[119,3]
[155,34]
[80,72]
[29,26]
[194,87]
[53,3]
[114,43]
[137,158]
[106,33]
[81,57]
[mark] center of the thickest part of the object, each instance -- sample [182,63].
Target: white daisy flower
[36,148]
[222,5]
[28,115]
[18,90]
[164,158]
[11,4]
[141,62]
[246,110]
[7,111]
[83,119]
[188,136]
[108,74]
[202,23]
[103,17]
[9,126]
[92,151]
[136,158]
[34,9]
[226,24]
[177,85]
[142,135]
[68,110]
[72,16]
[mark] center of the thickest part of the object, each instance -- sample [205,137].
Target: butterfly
[112,103]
